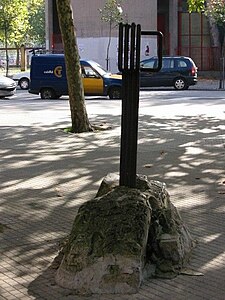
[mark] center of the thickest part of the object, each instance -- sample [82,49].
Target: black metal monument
[129,65]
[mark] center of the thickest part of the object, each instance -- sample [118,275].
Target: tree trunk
[80,122]
[6,50]
[214,34]
[108,47]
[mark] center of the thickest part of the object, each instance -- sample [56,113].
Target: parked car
[48,78]
[7,87]
[22,79]
[178,71]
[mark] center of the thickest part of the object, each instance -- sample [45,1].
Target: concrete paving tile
[5,295]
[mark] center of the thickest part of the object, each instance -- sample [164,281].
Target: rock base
[122,237]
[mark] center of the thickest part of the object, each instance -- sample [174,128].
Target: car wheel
[24,83]
[48,93]
[115,93]
[180,84]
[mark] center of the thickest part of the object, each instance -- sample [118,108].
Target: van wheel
[47,93]
[115,93]
[180,84]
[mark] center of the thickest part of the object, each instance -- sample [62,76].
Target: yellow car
[97,81]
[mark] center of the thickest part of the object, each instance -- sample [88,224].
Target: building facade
[93,34]
[184,33]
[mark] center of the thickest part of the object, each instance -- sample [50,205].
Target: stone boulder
[122,237]
[106,249]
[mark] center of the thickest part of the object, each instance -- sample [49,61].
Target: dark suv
[177,71]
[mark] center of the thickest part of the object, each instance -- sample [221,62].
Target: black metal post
[129,65]
[129,60]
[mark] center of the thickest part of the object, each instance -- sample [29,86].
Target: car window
[181,63]
[149,64]
[96,67]
[168,64]
[88,72]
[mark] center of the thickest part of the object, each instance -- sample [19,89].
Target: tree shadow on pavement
[47,174]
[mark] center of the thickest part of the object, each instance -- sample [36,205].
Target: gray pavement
[209,84]
[45,175]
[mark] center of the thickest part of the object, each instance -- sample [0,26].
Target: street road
[25,108]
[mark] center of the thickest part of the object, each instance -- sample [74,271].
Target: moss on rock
[122,236]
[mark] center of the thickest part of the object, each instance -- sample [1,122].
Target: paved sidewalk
[208,84]
[46,175]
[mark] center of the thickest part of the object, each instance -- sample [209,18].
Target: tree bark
[213,33]
[80,122]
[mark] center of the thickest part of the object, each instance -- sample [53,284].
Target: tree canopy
[22,22]
[215,11]
[36,30]
[112,14]
[196,5]
[13,20]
